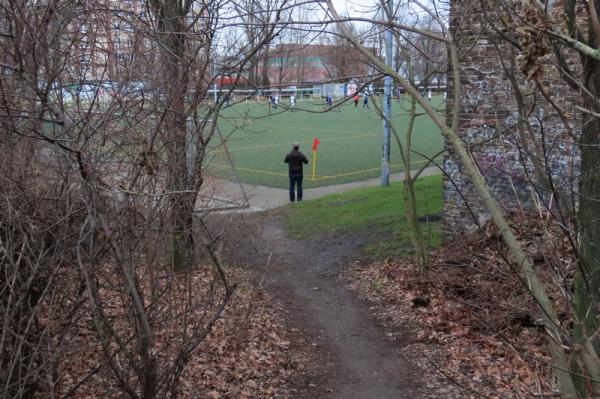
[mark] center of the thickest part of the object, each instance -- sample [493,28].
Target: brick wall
[505,140]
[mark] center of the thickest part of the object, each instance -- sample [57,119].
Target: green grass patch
[378,211]
[257,139]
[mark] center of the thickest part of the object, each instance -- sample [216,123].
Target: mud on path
[357,359]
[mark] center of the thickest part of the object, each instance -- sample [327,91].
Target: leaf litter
[246,354]
[471,319]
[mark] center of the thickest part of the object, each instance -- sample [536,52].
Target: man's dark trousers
[295,180]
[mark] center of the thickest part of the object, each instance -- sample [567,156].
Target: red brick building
[293,64]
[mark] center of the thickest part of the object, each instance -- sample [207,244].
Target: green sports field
[258,138]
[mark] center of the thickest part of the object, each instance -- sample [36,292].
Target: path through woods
[359,360]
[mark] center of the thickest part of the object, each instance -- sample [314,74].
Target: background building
[297,64]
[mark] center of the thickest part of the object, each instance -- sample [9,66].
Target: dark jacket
[295,159]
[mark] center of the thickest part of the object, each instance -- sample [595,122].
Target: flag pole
[315,148]
[314,165]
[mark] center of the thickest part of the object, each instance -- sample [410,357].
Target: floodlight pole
[387,105]
[216,77]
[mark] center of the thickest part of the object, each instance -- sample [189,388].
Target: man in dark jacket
[295,159]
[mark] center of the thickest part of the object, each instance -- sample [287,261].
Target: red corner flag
[316,143]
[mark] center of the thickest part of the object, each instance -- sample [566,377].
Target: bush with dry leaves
[471,314]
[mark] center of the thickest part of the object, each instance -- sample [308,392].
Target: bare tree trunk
[408,193]
[264,81]
[171,26]
[252,71]
[410,205]
[182,211]
[524,267]
[586,296]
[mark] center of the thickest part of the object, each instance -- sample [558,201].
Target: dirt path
[218,193]
[358,360]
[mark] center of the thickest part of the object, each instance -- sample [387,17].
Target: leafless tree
[551,40]
[261,22]
[106,126]
[534,26]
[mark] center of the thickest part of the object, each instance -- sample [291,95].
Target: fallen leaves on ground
[470,315]
[244,356]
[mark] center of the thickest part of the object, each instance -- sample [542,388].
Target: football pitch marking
[319,178]
[258,147]
[264,172]
[356,172]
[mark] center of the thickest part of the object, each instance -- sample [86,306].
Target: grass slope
[350,150]
[377,210]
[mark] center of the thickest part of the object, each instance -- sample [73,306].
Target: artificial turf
[258,137]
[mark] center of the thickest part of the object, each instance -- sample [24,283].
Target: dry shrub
[472,313]
[244,356]
[39,222]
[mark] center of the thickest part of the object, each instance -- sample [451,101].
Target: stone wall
[524,153]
